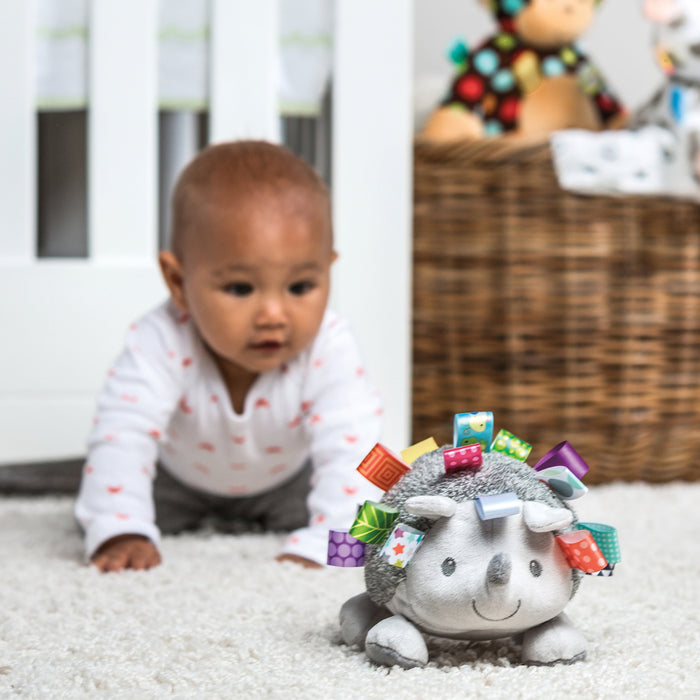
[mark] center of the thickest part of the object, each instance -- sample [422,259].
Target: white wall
[619,42]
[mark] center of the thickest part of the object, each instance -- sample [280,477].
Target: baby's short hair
[236,171]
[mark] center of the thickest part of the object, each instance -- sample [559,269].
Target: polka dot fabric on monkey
[493,80]
[503,70]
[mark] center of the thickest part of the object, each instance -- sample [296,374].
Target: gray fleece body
[498,474]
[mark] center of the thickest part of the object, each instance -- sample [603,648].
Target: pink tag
[464,457]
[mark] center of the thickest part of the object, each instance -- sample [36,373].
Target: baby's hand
[306,563]
[126,552]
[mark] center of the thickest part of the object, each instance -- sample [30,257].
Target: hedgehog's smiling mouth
[494,619]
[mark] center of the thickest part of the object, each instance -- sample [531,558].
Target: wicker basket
[570,317]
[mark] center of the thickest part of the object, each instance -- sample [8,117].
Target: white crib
[63,320]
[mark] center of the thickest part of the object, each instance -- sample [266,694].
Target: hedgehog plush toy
[529,78]
[471,547]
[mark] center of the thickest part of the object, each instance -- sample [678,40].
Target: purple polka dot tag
[344,549]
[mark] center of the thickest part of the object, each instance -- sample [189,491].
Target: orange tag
[581,551]
[382,467]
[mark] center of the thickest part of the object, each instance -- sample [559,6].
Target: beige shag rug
[221,619]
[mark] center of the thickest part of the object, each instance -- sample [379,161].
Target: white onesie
[166,401]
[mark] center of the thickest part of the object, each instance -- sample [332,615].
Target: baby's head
[250,253]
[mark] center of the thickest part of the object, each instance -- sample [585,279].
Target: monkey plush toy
[529,78]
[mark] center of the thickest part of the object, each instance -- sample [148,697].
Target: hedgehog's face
[477,579]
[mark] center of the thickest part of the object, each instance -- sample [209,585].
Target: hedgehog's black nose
[498,570]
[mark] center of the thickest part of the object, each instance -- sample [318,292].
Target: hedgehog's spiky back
[498,474]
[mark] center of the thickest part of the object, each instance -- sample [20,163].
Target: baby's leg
[280,510]
[178,507]
[42,478]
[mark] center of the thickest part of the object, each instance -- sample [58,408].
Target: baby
[245,391]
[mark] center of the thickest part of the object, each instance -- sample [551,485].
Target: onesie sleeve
[344,419]
[133,410]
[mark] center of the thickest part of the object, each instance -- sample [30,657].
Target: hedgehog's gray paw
[396,642]
[357,616]
[556,641]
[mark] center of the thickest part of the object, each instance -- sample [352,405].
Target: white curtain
[305,50]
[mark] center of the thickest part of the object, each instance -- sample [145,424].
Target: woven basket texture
[570,317]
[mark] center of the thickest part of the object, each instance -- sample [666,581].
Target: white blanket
[646,161]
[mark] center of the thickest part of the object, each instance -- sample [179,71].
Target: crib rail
[17,145]
[122,131]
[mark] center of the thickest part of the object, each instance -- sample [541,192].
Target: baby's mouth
[267,346]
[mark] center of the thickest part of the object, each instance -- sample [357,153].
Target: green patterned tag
[510,445]
[374,522]
[606,538]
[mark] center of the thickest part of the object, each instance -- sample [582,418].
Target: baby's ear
[171,270]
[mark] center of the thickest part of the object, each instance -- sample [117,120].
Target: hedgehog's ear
[432,507]
[540,517]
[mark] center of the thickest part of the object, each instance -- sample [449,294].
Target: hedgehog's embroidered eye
[535,568]
[448,566]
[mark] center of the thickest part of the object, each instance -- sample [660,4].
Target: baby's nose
[271,312]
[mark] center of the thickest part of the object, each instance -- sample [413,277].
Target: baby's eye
[301,288]
[239,289]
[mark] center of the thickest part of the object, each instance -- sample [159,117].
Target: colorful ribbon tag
[412,453]
[382,467]
[665,61]
[605,571]
[581,551]
[497,506]
[401,545]
[563,483]
[678,101]
[510,445]
[345,550]
[565,455]
[470,428]
[605,537]
[374,522]
[467,456]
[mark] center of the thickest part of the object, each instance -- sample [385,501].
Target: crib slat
[17,131]
[179,134]
[372,175]
[122,139]
[243,80]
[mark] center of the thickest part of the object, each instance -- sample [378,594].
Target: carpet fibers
[221,619]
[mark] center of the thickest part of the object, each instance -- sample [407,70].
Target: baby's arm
[344,422]
[115,505]
[296,559]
